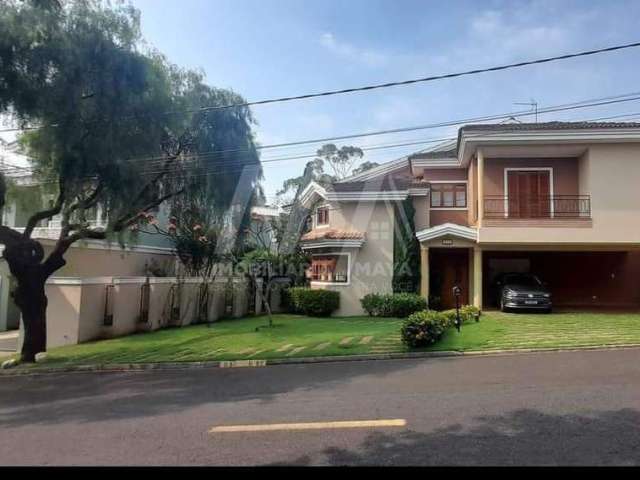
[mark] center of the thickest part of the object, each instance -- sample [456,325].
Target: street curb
[139,367]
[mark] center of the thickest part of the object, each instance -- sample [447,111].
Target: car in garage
[522,291]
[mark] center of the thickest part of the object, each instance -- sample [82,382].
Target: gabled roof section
[448,230]
[380,170]
[311,193]
[382,184]
[383,188]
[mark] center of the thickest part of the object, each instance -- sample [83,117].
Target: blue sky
[271,48]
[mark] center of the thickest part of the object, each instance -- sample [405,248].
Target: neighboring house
[559,199]
[88,258]
[262,233]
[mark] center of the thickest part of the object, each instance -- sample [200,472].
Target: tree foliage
[116,126]
[340,160]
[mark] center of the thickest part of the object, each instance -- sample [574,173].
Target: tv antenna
[533,104]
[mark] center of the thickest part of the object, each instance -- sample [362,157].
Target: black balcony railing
[549,206]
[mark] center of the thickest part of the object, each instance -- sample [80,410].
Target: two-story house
[558,199]
[87,258]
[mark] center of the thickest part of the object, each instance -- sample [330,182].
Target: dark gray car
[522,291]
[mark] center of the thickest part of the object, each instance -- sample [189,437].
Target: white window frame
[315,216]
[452,182]
[526,169]
[340,284]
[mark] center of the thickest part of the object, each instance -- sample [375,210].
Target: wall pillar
[477,277]
[480,187]
[424,272]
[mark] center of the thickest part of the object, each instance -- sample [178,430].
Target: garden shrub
[314,302]
[404,304]
[392,305]
[424,328]
[467,314]
[371,303]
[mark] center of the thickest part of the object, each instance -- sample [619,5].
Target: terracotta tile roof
[385,184]
[451,153]
[507,127]
[332,234]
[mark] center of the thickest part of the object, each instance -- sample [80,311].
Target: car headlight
[511,294]
[547,295]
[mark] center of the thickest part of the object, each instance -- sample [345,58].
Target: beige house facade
[559,199]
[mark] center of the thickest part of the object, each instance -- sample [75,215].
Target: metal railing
[542,206]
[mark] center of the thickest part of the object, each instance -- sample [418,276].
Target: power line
[154,162]
[620,98]
[562,107]
[392,84]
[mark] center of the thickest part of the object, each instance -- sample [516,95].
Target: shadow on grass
[523,437]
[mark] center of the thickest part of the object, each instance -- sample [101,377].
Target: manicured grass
[519,330]
[238,339]
[299,336]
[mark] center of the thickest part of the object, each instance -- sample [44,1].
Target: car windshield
[525,280]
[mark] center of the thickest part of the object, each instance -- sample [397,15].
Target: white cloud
[346,50]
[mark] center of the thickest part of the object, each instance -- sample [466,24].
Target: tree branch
[44,214]
[129,219]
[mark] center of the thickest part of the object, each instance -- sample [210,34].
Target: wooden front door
[529,193]
[448,268]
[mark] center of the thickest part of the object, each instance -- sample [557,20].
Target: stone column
[477,277]
[424,272]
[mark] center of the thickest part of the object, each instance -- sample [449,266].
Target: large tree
[341,160]
[112,130]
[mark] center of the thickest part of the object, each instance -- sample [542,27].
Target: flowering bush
[424,328]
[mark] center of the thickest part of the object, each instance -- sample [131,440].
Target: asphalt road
[539,409]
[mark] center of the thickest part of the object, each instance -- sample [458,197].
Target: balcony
[568,207]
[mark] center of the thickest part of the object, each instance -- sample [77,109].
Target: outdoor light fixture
[457,291]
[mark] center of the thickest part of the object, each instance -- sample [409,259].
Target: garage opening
[576,279]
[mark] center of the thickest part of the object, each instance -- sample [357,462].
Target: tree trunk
[32,302]
[25,263]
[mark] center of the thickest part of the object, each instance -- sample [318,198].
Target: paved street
[551,408]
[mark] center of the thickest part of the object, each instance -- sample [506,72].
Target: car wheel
[549,310]
[502,307]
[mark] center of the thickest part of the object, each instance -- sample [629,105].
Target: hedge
[313,302]
[392,305]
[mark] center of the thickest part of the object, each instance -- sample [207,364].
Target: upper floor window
[322,216]
[448,195]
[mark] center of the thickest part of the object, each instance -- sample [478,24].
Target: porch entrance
[449,267]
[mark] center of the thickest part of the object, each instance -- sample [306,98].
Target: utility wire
[521,113]
[621,98]
[394,84]
[558,108]
[235,162]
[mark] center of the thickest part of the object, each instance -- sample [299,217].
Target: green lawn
[298,336]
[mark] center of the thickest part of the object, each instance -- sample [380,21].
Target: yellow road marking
[398,422]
